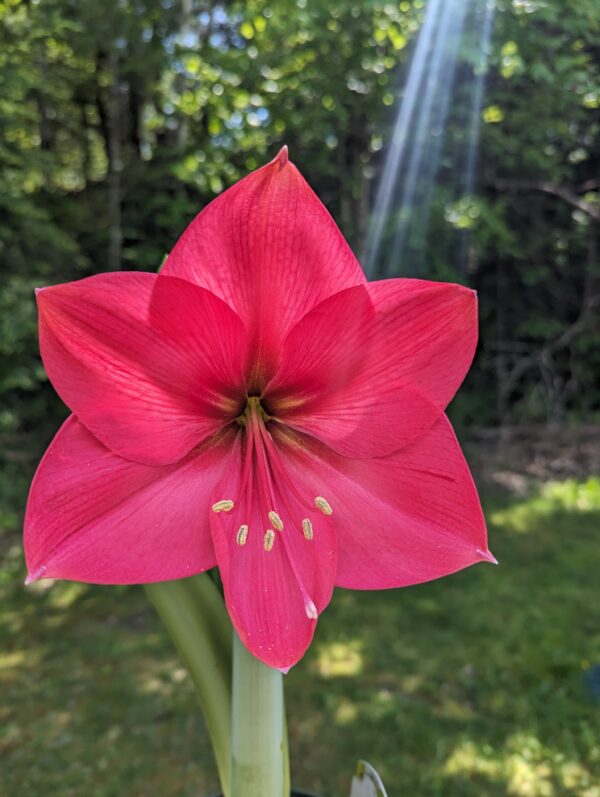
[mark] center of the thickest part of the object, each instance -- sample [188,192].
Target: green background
[118,122]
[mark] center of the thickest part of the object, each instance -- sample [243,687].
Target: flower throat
[267,494]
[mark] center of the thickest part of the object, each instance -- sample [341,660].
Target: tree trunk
[115,168]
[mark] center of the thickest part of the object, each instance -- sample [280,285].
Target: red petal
[323,351]
[146,362]
[92,516]
[402,519]
[269,248]
[273,597]
[402,365]
[434,325]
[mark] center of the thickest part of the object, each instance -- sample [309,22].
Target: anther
[323,505]
[269,539]
[242,535]
[307,528]
[276,521]
[222,506]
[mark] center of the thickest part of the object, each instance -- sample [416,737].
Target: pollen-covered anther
[269,539]
[242,535]
[307,528]
[275,520]
[322,504]
[222,506]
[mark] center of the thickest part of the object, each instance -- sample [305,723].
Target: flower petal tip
[468,293]
[43,296]
[487,556]
[282,156]
[284,670]
[34,575]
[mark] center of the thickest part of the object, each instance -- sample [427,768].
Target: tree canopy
[120,121]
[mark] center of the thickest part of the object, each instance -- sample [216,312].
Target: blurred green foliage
[471,686]
[119,121]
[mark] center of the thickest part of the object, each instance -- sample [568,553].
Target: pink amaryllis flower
[257,406]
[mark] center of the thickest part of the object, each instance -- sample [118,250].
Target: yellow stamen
[276,521]
[223,506]
[269,539]
[242,535]
[307,528]
[323,505]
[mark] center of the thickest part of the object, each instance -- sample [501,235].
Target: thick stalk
[259,744]
[194,614]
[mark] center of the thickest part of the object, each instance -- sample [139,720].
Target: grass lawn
[467,687]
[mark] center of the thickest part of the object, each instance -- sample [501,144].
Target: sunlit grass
[472,686]
[340,658]
[526,767]
[553,498]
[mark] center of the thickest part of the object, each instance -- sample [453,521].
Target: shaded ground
[513,459]
[472,686]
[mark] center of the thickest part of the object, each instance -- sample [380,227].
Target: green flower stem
[194,613]
[259,741]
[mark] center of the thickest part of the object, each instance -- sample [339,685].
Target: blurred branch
[115,164]
[566,194]
[589,185]
[541,357]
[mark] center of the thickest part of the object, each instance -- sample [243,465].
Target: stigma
[311,610]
